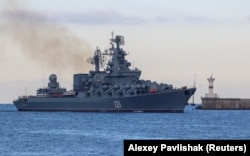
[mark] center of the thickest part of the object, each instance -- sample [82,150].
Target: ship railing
[23,97]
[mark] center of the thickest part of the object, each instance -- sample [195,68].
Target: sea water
[81,133]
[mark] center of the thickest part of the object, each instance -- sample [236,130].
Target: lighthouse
[211,88]
[212,101]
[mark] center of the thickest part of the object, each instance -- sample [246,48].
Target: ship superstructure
[115,88]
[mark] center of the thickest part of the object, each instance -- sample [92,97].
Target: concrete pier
[225,103]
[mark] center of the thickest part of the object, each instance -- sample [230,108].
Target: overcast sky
[177,42]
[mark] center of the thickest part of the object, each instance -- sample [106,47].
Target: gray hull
[171,101]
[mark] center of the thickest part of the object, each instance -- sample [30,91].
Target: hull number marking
[117,104]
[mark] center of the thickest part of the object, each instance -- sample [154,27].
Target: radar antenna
[112,34]
[194,87]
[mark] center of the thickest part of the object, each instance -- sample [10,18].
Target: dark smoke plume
[41,40]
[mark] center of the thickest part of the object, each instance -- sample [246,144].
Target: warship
[113,86]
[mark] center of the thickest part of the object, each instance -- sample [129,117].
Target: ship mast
[194,87]
[112,34]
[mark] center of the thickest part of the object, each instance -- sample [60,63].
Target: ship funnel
[98,59]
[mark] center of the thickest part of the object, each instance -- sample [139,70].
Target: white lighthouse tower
[211,88]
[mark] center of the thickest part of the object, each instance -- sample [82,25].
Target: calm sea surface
[79,133]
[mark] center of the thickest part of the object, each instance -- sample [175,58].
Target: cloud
[90,17]
[184,18]
[196,19]
[114,17]
[106,17]
[163,19]
[96,17]
[26,15]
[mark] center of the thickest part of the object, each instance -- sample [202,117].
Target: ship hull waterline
[173,101]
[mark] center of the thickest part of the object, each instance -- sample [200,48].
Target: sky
[177,42]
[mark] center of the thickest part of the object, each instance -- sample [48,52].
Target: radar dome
[52,78]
